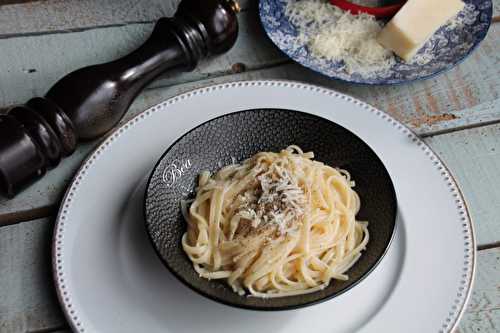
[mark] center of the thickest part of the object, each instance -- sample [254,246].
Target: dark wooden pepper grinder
[88,102]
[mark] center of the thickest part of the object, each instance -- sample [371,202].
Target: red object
[379,12]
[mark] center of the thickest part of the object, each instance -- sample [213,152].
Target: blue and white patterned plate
[450,45]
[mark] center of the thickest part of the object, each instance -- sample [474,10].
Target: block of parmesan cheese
[415,23]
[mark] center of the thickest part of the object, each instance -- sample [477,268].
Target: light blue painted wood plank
[31,65]
[55,15]
[27,297]
[483,312]
[473,157]
[496,7]
[468,94]
[69,15]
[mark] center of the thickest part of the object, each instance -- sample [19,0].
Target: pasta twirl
[278,224]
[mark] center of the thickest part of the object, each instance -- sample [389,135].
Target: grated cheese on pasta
[277,200]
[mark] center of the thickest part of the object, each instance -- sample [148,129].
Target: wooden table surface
[457,114]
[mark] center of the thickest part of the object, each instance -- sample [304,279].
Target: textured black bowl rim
[275,308]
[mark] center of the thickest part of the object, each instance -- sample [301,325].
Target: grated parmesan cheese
[336,35]
[277,201]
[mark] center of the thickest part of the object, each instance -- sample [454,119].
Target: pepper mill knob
[88,102]
[216,20]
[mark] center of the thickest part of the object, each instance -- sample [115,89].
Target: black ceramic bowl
[240,135]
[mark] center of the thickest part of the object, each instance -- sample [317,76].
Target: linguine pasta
[278,224]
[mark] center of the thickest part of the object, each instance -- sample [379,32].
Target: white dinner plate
[109,278]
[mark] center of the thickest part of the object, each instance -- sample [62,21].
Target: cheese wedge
[415,23]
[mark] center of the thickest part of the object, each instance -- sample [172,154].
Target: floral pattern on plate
[450,45]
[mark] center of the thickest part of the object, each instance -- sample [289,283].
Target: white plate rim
[470,253]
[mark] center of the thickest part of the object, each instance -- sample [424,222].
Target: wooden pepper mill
[88,102]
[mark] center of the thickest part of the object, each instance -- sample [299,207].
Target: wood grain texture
[27,297]
[28,302]
[33,64]
[28,17]
[483,312]
[473,156]
[10,2]
[467,95]
[71,15]
[496,8]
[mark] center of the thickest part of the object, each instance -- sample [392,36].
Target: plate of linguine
[109,279]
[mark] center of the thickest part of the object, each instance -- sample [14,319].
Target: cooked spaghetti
[278,224]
